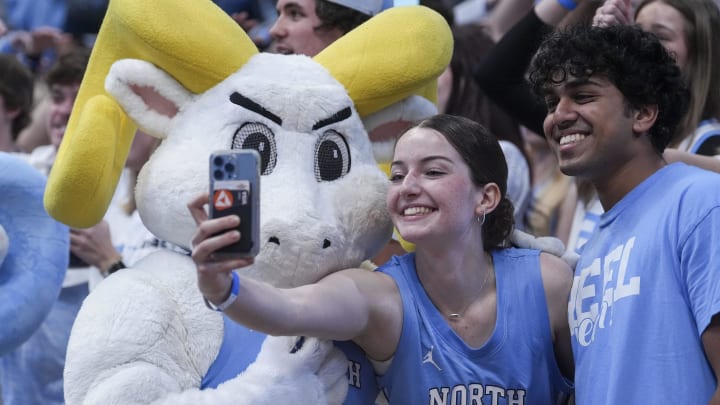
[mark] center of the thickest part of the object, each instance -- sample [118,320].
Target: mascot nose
[305,218]
[276,240]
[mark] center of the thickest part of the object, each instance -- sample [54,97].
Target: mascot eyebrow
[242,101]
[343,114]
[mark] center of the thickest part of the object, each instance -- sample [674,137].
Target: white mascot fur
[182,71]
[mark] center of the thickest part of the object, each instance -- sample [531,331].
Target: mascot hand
[300,370]
[288,370]
[547,244]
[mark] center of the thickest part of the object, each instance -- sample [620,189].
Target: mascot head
[322,195]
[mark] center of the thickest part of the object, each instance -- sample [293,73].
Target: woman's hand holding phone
[214,272]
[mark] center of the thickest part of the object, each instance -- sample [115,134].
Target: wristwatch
[234,289]
[114,267]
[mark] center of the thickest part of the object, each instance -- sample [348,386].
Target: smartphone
[235,190]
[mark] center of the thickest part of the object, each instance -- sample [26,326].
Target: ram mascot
[183,71]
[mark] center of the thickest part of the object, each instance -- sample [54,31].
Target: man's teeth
[571,138]
[416,211]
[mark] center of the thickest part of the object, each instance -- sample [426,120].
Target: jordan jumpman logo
[429,359]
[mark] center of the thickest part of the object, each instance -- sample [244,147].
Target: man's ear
[488,198]
[645,117]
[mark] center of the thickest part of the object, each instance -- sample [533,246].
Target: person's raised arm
[334,308]
[502,73]
[505,15]
[711,163]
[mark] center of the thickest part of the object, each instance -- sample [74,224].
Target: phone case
[235,190]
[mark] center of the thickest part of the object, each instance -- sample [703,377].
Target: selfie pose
[144,335]
[451,320]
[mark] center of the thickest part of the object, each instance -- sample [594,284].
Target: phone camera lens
[229,167]
[218,161]
[218,174]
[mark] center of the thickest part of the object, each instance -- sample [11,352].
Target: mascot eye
[254,135]
[332,157]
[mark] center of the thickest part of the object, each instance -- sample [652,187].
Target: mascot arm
[136,339]
[144,336]
[548,244]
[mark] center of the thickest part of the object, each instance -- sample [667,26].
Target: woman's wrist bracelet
[234,289]
[568,5]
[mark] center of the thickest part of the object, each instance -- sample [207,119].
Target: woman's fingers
[225,266]
[197,208]
[211,234]
[216,229]
[205,242]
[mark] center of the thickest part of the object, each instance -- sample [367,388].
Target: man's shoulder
[691,177]
[693,193]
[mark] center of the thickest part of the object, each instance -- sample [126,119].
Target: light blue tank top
[433,365]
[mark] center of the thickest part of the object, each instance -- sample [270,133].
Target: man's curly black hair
[632,59]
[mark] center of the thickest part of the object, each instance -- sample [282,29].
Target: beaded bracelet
[568,5]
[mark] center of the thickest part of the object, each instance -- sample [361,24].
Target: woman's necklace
[458,315]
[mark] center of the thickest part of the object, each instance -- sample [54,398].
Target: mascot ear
[147,94]
[36,256]
[209,47]
[385,125]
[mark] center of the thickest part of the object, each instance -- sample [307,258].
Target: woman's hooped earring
[481,221]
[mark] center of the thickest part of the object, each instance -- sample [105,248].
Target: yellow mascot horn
[192,40]
[395,54]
